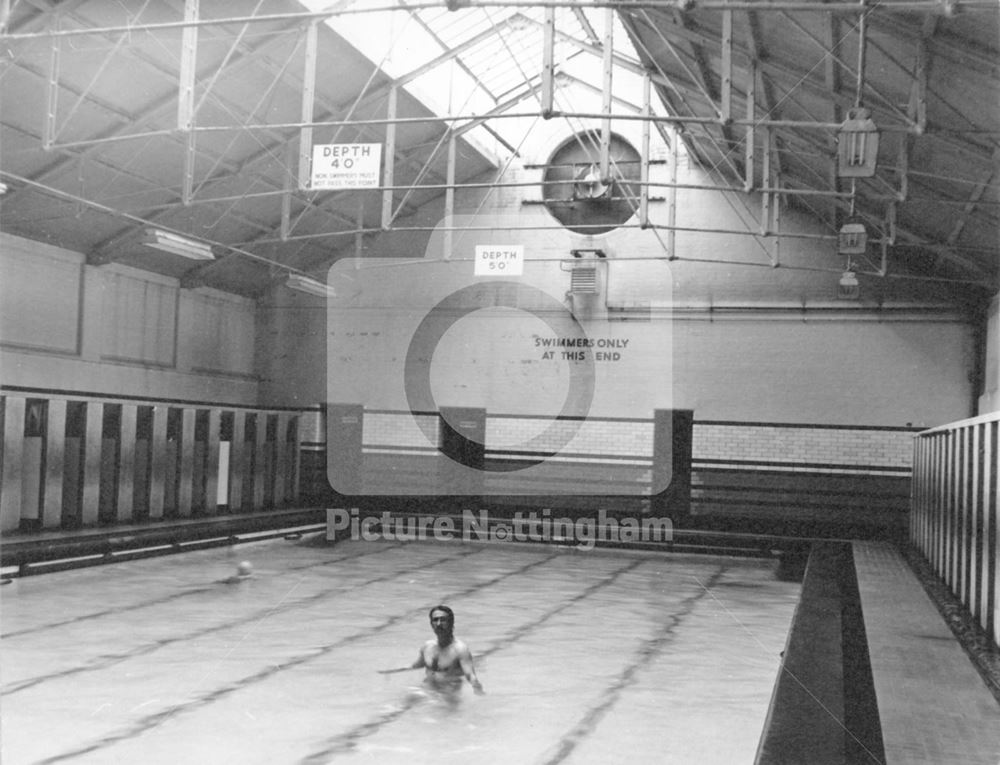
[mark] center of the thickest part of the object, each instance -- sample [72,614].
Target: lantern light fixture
[848,288]
[852,239]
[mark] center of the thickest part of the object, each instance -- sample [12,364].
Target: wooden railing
[954,515]
[69,461]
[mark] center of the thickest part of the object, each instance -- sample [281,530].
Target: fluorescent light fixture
[857,145]
[310,286]
[177,245]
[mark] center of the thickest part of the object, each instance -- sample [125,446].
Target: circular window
[576,194]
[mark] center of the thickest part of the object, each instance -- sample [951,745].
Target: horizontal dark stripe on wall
[504,455]
[709,489]
[503,416]
[404,412]
[732,466]
[724,423]
[811,426]
[398,449]
[800,503]
[804,466]
[58,392]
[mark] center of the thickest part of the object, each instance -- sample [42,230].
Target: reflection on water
[586,657]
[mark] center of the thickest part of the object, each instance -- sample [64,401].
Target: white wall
[291,349]
[989,401]
[897,371]
[119,331]
[749,341]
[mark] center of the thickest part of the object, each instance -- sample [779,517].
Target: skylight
[494,65]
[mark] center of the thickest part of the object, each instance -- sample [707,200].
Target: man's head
[442,620]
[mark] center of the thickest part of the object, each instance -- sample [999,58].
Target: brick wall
[399,429]
[857,449]
[620,438]
[791,447]
[855,478]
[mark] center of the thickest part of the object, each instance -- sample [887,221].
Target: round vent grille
[575,193]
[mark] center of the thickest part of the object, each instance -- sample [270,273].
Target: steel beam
[388,172]
[308,105]
[647,109]
[548,63]
[188,67]
[609,69]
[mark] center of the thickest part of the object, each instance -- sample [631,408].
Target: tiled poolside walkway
[934,706]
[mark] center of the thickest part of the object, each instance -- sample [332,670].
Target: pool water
[586,656]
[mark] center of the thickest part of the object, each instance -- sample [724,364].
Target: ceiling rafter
[833,86]
[907,235]
[759,55]
[592,35]
[887,103]
[834,83]
[832,91]
[69,159]
[364,100]
[665,84]
[151,112]
[920,80]
[530,90]
[694,77]
[444,46]
[250,55]
[960,51]
[934,194]
[972,202]
[45,11]
[325,259]
[619,59]
[279,139]
[772,65]
[631,106]
[804,95]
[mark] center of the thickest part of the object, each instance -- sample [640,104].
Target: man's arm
[419,663]
[469,669]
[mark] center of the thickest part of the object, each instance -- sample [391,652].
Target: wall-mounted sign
[499,260]
[346,166]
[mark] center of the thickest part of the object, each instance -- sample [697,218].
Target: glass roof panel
[495,61]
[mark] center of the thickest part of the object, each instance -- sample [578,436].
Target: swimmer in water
[244,571]
[446,659]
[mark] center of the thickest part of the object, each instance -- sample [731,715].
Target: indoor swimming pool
[586,656]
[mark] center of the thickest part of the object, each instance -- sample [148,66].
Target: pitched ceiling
[92,104]
[785,77]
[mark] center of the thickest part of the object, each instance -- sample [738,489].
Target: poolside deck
[933,705]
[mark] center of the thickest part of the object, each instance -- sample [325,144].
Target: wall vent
[583,280]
